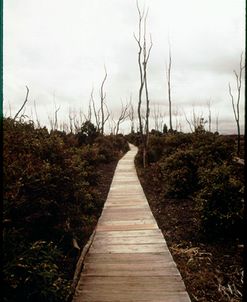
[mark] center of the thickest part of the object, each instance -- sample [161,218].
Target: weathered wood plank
[129,233]
[129,259]
[128,240]
[131,248]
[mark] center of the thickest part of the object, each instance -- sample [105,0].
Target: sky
[58,48]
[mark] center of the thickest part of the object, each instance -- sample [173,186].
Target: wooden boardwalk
[129,259]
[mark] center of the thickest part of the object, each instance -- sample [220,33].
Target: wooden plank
[102,228]
[128,240]
[135,296]
[143,282]
[131,248]
[129,233]
[136,267]
[129,259]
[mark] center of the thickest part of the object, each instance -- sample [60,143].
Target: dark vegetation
[195,188]
[55,185]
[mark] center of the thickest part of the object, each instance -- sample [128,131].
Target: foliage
[201,166]
[50,199]
[179,172]
[34,275]
[221,201]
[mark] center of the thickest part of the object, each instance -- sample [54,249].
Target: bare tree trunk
[143,82]
[124,114]
[168,73]
[138,40]
[235,104]
[189,123]
[102,98]
[56,111]
[209,116]
[131,116]
[217,123]
[26,99]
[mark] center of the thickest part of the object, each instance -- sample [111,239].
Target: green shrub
[179,173]
[34,275]
[221,201]
[50,195]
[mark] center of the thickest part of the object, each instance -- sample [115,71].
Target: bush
[222,203]
[50,195]
[179,173]
[35,276]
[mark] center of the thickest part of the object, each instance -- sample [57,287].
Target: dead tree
[188,121]
[217,122]
[23,105]
[236,103]
[158,118]
[131,116]
[103,104]
[124,114]
[168,76]
[55,117]
[209,116]
[95,111]
[143,57]
[89,114]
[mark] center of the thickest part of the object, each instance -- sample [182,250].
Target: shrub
[50,195]
[221,201]
[179,173]
[34,275]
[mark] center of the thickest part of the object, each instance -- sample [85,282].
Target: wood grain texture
[129,259]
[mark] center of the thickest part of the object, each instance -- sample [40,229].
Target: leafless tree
[23,105]
[95,111]
[143,57]
[103,105]
[217,122]
[158,118]
[168,76]
[236,102]
[209,116]
[124,114]
[55,116]
[89,114]
[71,119]
[188,121]
[131,116]
[196,122]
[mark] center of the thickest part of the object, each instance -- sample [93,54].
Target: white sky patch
[59,48]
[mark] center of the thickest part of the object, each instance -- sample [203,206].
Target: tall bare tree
[103,106]
[143,57]
[168,76]
[236,101]
[131,116]
[209,116]
[55,116]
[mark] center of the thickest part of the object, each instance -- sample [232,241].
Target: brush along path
[129,259]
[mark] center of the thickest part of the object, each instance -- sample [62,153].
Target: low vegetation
[53,196]
[195,188]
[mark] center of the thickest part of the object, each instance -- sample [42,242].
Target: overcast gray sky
[58,48]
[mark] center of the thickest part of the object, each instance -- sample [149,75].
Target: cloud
[61,47]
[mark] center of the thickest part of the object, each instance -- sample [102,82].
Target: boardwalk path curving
[129,259]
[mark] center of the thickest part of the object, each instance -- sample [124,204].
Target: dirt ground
[212,272]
